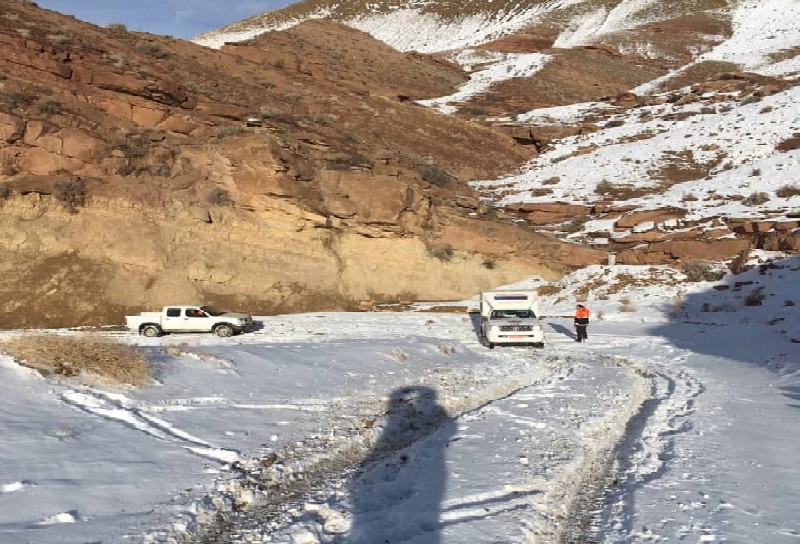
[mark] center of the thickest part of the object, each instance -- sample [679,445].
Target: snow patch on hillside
[218,38]
[738,145]
[505,67]
[592,26]
[432,33]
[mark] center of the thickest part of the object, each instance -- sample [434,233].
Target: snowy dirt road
[515,445]
[344,428]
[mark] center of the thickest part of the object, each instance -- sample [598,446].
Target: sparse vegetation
[219,197]
[71,193]
[17,99]
[160,170]
[697,271]
[435,174]
[626,306]
[135,148]
[117,28]
[549,289]
[444,253]
[490,263]
[788,191]
[151,48]
[576,224]
[5,191]
[604,187]
[618,191]
[678,307]
[220,133]
[347,163]
[80,356]
[756,199]
[8,166]
[49,107]
[541,191]
[756,297]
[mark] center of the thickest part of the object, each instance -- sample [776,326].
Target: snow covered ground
[676,421]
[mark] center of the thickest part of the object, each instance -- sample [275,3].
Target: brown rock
[655,216]
[546,213]
[12,127]
[672,252]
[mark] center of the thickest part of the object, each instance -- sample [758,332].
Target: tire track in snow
[121,409]
[647,448]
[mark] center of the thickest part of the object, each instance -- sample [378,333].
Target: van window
[173,312]
[512,314]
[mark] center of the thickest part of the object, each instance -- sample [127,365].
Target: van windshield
[512,314]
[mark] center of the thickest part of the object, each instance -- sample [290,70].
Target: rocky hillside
[665,132]
[330,156]
[293,172]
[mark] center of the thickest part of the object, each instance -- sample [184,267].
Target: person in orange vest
[581,322]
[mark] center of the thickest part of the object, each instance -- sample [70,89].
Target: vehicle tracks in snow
[119,408]
[559,443]
[644,453]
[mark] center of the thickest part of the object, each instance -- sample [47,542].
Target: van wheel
[151,331]
[223,330]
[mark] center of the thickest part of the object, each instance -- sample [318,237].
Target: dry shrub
[788,191]
[697,271]
[68,356]
[756,199]
[444,253]
[626,305]
[71,193]
[755,298]
[117,28]
[219,197]
[549,289]
[790,143]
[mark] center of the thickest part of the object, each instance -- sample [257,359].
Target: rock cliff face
[284,174]
[62,268]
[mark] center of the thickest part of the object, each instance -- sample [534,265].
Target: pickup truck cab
[189,318]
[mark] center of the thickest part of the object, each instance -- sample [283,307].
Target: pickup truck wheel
[151,331]
[223,330]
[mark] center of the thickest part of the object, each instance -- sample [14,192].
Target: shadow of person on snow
[396,496]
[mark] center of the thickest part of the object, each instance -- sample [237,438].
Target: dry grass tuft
[626,305]
[70,356]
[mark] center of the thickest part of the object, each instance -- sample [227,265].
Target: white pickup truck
[511,317]
[188,318]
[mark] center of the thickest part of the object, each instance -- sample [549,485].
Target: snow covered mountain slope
[654,121]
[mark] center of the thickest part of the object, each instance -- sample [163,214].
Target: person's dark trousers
[581,333]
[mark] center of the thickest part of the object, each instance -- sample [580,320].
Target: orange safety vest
[582,313]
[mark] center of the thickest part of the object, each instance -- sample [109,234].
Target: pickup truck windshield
[210,310]
[512,314]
